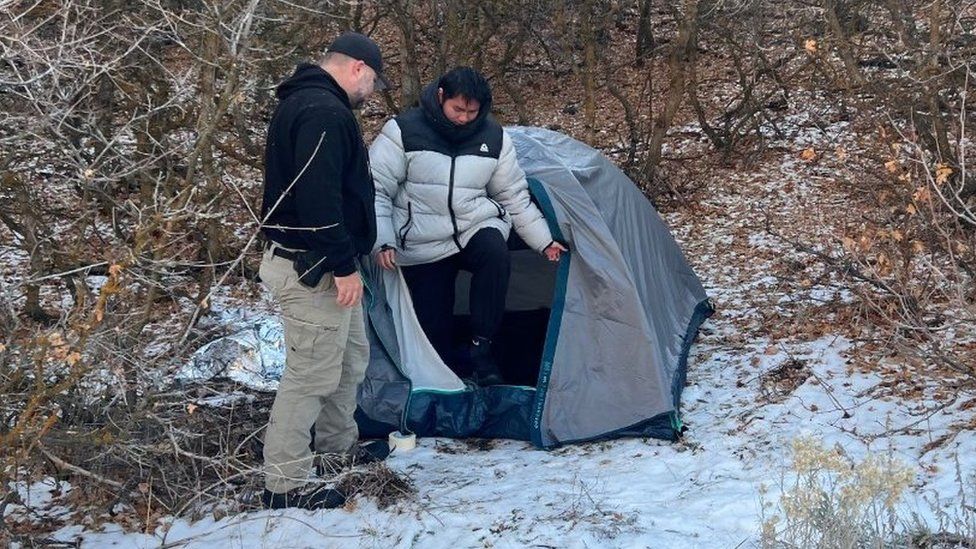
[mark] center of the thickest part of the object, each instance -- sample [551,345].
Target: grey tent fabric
[640,234]
[631,294]
[623,308]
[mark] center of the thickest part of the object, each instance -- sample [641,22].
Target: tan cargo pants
[326,353]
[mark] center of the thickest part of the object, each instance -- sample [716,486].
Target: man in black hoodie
[318,218]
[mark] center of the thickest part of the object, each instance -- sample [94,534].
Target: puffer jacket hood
[434,113]
[310,76]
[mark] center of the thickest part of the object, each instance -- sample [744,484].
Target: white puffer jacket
[433,195]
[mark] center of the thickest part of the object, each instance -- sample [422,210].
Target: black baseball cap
[360,46]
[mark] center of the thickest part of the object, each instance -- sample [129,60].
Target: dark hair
[467,82]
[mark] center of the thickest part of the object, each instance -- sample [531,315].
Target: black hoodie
[315,156]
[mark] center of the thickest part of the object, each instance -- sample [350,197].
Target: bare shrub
[909,249]
[130,164]
[831,501]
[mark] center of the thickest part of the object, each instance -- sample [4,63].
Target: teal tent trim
[555,317]
[703,310]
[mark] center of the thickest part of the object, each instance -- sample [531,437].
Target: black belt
[283,253]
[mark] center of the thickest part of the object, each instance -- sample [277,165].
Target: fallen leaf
[808,154]
[942,173]
[891,166]
[883,264]
[864,243]
[72,358]
[810,45]
[922,194]
[59,353]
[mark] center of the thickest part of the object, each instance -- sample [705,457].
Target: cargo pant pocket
[313,358]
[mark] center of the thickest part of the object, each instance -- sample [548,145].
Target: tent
[592,347]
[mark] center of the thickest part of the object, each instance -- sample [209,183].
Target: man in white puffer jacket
[448,192]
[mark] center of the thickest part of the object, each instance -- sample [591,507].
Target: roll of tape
[402,442]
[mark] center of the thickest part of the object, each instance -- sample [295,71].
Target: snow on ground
[701,492]
[754,386]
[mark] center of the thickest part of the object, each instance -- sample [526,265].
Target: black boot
[318,498]
[484,371]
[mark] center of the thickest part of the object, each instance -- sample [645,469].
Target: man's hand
[387,258]
[554,250]
[350,289]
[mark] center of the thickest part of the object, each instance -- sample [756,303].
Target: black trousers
[431,285]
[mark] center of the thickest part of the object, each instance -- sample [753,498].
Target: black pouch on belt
[311,267]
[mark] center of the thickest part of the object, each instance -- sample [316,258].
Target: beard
[357,99]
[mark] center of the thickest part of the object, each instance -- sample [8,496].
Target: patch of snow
[702,491]
[37,501]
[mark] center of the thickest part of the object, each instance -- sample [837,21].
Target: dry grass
[831,501]
[377,482]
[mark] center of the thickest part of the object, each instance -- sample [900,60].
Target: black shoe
[484,371]
[318,498]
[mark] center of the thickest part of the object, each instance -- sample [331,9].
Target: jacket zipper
[501,211]
[450,202]
[406,226]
